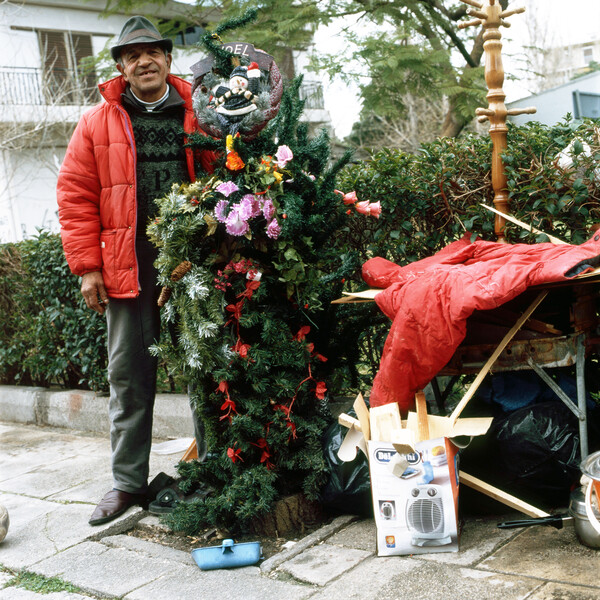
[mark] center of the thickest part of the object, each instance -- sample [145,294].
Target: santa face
[237,81]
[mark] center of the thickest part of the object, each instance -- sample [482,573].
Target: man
[124,153]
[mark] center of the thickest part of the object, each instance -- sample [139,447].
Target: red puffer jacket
[429,302]
[96,189]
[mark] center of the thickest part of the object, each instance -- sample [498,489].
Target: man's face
[145,67]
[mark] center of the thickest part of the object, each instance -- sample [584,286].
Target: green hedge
[48,336]
[432,198]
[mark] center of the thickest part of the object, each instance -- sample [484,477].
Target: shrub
[48,337]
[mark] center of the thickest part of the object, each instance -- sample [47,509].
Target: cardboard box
[415,497]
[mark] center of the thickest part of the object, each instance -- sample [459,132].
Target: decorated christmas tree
[250,262]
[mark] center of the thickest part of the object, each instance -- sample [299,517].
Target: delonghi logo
[414,458]
[384,456]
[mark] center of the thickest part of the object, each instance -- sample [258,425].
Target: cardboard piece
[363,416]
[353,442]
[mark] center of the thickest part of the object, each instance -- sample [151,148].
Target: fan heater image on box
[425,516]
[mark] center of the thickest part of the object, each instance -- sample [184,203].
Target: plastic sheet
[532,453]
[348,488]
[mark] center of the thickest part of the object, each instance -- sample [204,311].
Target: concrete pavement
[51,478]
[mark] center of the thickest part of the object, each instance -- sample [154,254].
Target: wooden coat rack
[491,16]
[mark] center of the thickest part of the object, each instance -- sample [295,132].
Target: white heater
[425,516]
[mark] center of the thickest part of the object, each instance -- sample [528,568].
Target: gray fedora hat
[139,30]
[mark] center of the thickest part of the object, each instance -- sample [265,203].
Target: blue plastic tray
[227,555]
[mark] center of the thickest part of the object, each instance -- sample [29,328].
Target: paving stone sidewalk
[51,478]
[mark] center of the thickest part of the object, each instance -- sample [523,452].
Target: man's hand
[94,292]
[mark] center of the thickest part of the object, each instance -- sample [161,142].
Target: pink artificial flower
[364,207]
[246,207]
[227,188]
[254,204]
[268,209]
[283,156]
[273,229]
[350,197]
[234,223]
[220,209]
[375,209]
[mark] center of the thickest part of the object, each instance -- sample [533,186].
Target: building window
[66,80]
[189,36]
[182,34]
[586,104]
[588,55]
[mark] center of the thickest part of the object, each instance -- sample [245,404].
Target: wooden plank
[497,494]
[422,422]
[488,365]
[384,421]
[347,421]
[191,453]
[523,225]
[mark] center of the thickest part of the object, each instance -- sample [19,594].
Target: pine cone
[180,270]
[165,294]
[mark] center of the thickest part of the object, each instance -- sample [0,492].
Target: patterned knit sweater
[160,153]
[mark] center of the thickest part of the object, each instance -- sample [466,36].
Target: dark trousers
[134,325]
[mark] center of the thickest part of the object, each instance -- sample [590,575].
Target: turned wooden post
[491,16]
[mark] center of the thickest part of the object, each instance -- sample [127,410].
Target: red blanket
[430,300]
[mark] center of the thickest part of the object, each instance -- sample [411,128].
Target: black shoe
[114,504]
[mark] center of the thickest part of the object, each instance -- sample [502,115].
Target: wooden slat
[497,494]
[422,420]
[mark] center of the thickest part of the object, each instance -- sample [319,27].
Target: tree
[248,253]
[412,47]
[395,48]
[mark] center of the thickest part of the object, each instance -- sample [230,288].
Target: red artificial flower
[302,333]
[235,310]
[251,287]
[234,454]
[320,390]
[223,387]
[363,207]
[266,454]
[292,426]
[241,348]
[228,405]
[284,409]
[375,209]
[350,198]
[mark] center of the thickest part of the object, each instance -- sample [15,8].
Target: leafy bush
[48,337]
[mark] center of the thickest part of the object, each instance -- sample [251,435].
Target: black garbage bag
[532,453]
[348,488]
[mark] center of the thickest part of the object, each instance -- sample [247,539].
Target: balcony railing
[39,87]
[31,86]
[312,93]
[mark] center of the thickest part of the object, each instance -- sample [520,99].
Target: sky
[562,21]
